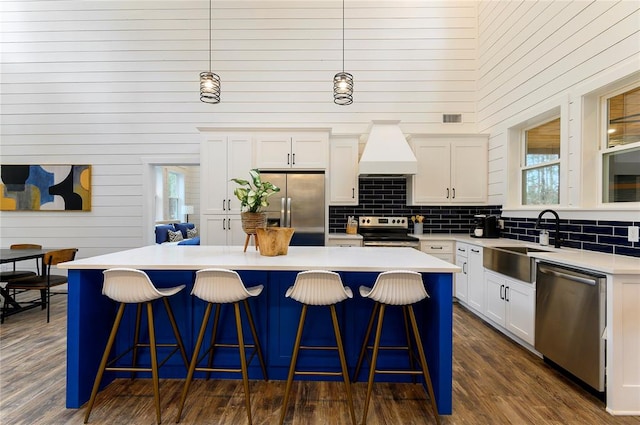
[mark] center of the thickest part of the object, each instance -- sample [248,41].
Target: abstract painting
[45,187]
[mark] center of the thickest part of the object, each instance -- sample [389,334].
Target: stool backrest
[219,286]
[318,287]
[129,286]
[398,287]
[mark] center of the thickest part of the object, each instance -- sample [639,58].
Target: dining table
[10,305]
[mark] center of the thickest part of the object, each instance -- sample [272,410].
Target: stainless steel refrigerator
[299,204]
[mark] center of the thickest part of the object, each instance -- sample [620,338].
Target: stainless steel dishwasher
[570,321]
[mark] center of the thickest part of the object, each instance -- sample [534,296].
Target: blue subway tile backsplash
[386,195]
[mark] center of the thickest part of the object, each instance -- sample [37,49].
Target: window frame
[603,150]
[523,160]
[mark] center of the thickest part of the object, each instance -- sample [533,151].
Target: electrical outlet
[500,224]
[633,233]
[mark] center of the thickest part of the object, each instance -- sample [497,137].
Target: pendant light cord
[210,1]
[342,35]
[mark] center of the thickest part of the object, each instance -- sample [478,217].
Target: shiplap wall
[534,56]
[111,83]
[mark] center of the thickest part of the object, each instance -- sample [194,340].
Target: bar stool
[130,286]
[395,288]
[221,286]
[322,288]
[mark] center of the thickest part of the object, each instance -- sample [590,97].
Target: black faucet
[557,239]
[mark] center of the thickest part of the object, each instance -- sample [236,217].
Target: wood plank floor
[495,382]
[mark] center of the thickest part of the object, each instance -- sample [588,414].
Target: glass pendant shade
[343,88]
[209,87]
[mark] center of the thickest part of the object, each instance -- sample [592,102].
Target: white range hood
[387,151]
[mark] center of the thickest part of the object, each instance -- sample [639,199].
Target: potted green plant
[254,196]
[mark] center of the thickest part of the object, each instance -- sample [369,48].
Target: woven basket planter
[252,221]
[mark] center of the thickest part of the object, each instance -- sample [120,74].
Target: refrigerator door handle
[288,213]
[282,216]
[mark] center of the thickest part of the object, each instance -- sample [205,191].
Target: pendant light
[343,81]
[209,81]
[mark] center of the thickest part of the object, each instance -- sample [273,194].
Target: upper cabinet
[223,157]
[343,171]
[299,150]
[452,169]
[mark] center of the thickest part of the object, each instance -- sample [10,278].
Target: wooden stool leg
[374,360]
[363,350]
[292,367]
[103,362]
[136,339]
[409,345]
[176,331]
[212,347]
[343,362]
[423,360]
[154,360]
[243,360]
[255,339]
[194,359]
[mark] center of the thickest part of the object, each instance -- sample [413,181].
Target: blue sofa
[162,233]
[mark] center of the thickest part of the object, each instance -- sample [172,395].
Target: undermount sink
[512,261]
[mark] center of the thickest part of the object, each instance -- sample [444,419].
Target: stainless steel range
[386,231]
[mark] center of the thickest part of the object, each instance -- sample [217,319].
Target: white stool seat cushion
[318,287]
[133,286]
[397,287]
[221,286]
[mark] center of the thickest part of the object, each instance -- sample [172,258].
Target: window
[173,192]
[540,165]
[621,147]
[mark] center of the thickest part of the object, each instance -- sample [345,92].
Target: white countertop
[194,257]
[582,259]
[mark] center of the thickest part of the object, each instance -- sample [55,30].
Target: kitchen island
[90,314]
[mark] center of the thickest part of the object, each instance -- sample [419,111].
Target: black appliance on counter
[386,231]
[486,226]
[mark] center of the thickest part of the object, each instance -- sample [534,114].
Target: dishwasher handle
[587,280]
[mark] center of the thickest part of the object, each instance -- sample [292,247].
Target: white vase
[417,228]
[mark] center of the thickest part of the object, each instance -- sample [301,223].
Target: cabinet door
[520,316]
[431,183]
[213,169]
[343,177]
[476,288]
[469,171]
[213,230]
[461,279]
[495,305]
[310,151]
[273,151]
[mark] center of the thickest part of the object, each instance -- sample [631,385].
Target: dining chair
[43,282]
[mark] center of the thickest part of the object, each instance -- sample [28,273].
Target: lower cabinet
[511,304]
[442,249]
[222,230]
[475,284]
[461,278]
[343,241]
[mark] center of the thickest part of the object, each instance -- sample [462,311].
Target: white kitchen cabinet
[343,172]
[461,278]
[475,279]
[442,249]
[222,229]
[511,305]
[223,157]
[451,170]
[299,150]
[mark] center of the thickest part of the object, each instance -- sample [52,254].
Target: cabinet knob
[288,159]
[447,193]
[293,157]
[353,193]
